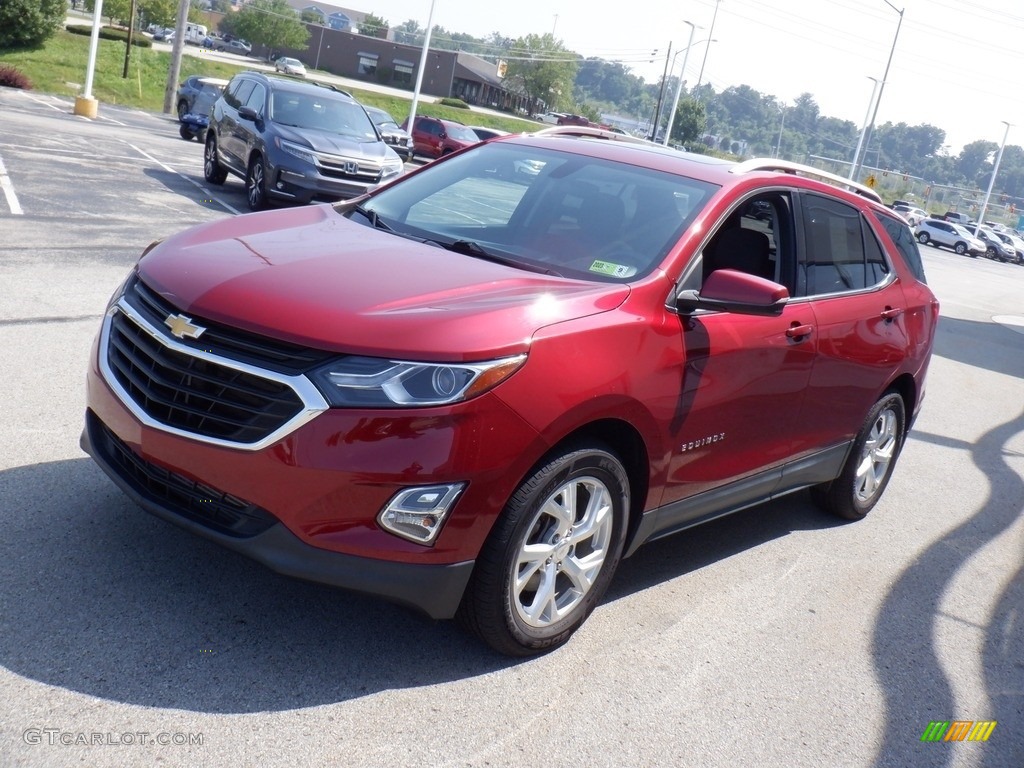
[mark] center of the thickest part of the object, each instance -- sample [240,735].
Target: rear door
[859,318]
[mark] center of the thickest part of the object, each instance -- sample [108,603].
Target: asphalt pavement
[774,637]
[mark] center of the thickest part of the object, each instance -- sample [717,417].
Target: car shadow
[99,597]
[913,671]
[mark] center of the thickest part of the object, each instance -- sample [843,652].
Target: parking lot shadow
[99,597]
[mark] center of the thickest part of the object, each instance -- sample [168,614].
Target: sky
[955,63]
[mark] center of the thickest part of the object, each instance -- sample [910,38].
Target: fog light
[417,514]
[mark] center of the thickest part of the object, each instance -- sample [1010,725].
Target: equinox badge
[182,327]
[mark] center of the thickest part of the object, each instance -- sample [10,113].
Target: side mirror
[727,290]
[248,113]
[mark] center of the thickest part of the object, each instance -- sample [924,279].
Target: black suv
[295,141]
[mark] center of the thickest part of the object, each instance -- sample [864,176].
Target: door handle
[797,331]
[891,313]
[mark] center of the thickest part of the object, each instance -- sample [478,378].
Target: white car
[949,235]
[912,214]
[290,66]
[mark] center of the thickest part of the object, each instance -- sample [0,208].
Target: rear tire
[551,555]
[870,463]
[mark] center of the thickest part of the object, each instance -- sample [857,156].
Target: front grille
[193,394]
[262,351]
[335,168]
[214,509]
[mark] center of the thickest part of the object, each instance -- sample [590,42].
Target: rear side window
[904,241]
[841,252]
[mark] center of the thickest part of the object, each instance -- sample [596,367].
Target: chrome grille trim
[313,403]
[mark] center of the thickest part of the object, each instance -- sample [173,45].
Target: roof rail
[593,133]
[785,166]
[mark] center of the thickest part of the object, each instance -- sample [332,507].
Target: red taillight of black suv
[478,389]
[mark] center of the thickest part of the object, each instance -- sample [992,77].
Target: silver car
[946,234]
[290,66]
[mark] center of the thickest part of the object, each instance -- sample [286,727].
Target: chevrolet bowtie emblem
[183,327]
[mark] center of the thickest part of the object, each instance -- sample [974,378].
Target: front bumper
[433,589]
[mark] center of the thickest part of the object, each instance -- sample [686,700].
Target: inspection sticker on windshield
[614,270]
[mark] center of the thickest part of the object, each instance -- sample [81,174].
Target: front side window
[841,253]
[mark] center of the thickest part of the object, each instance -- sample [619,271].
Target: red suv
[477,389]
[434,137]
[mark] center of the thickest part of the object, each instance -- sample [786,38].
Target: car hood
[310,276]
[334,143]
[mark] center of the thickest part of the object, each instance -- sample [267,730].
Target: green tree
[690,122]
[409,33]
[27,23]
[271,23]
[312,17]
[374,26]
[543,69]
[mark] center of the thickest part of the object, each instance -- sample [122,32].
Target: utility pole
[661,93]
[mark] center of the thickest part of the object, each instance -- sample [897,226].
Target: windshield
[460,132]
[381,119]
[543,209]
[322,112]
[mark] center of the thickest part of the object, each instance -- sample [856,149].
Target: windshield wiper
[477,251]
[374,218]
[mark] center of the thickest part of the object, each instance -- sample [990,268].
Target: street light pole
[423,65]
[857,162]
[661,93]
[782,123]
[679,84]
[711,33]
[992,181]
[864,130]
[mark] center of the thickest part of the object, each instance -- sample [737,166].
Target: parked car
[995,247]
[958,218]
[551,118]
[573,120]
[1015,242]
[911,213]
[946,234]
[165,35]
[196,120]
[290,66]
[475,391]
[240,47]
[483,133]
[434,137]
[295,141]
[393,134]
[190,89]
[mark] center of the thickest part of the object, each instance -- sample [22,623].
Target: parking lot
[774,637]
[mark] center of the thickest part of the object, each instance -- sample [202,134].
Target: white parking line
[199,186]
[8,189]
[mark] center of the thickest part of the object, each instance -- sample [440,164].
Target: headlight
[392,166]
[297,150]
[370,382]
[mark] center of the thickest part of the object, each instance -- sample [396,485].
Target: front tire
[255,185]
[923,238]
[870,463]
[960,248]
[213,171]
[551,555]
